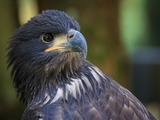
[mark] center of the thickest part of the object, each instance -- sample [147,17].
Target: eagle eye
[47,37]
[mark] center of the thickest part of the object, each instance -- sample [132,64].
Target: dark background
[123,39]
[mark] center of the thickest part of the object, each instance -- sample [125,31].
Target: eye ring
[47,37]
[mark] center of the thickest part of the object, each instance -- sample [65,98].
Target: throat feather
[81,86]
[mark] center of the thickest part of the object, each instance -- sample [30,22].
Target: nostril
[70,36]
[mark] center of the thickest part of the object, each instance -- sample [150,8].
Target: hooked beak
[74,41]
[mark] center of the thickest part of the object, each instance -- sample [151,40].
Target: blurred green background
[123,39]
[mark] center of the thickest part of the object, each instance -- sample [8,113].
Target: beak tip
[78,42]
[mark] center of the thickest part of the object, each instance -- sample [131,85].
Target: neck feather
[86,83]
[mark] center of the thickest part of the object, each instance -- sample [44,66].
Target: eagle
[51,75]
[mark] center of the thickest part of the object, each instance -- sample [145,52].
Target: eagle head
[48,46]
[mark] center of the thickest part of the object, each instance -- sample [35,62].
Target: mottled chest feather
[90,95]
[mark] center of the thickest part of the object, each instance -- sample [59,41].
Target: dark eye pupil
[48,37]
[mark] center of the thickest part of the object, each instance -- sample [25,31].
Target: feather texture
[90,96]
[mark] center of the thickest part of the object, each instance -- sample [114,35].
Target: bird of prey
[52,76]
